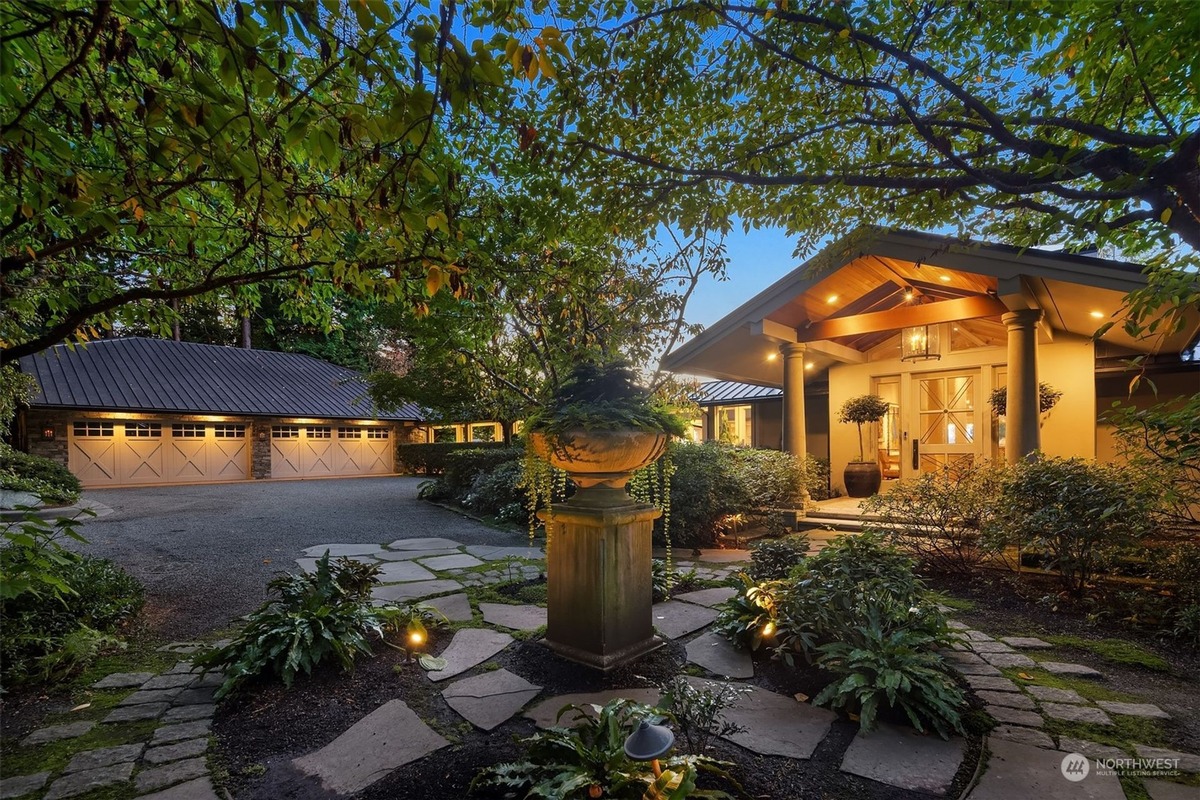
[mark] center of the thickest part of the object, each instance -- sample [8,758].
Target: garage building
[137,412]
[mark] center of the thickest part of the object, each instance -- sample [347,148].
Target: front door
[948,427]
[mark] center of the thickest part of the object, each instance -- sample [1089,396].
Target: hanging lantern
[920,343]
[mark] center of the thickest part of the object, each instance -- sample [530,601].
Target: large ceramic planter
[862,478]
[599,603]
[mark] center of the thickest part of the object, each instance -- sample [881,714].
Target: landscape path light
[649,743]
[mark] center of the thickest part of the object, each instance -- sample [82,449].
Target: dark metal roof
[723,392]
[136,374]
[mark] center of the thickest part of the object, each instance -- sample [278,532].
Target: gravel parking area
[205,553]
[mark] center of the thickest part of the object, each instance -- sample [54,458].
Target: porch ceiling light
[920,343]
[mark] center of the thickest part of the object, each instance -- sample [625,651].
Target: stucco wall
[1067,364]
[1114,388]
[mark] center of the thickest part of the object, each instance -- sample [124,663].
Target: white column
[793,398]
[1023,417]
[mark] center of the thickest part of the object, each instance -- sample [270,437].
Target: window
[484,433]
[445,434]
[229,431]
[736,425]
[349,433]
[92,429]
[285,432]
[377,433]
[142,430]
[318,433]
[186,430]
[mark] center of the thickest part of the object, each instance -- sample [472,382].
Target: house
[933,325]
[137,411]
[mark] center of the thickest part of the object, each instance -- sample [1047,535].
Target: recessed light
[1097,315]
[809,365]
[772,356]
[944,278]
[833,298]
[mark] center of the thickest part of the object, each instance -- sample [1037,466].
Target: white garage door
[314,451]
[131,453]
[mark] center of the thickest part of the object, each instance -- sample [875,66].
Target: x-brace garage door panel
[134,453]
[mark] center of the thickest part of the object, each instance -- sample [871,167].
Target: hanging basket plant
[1048,398]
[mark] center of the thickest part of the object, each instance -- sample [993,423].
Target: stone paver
[674,619]
[545,713]
[718,655]
[490,699]
[1026,642]
[991,683]
[975,636]
[175,752]
[1133,709]
[53,733]
[307,565]
[469,648]
[724,556]
[496,553]
[425,543]
[151,696]
[20,785]
[454,607]
[123,680]
[199,789]
[408,555]
[1165,790]
[403,572]
[1020,735]
[980,669]
[1075,670]
[189,713]
[183,648]
[75,783]
[458,561]
[403,592]
[1015,716]
[339,550]
[1073,713]
[1188,762]
[189,697]
[173,681]
[387,738]
[1008,660]
[903,758]
[181,667]
[180,731]
[1008,699]
[136,713]
[1089,748]
[104,757]
[777,725]
[177,772]
[954,624]
[991,647]
[521,618]
[1020,771]
[708,597]
[1056,695]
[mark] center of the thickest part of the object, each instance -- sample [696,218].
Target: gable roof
[138,374]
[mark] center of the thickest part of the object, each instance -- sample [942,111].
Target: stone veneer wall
[36,420]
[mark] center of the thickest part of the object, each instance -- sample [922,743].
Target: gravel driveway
[205,553]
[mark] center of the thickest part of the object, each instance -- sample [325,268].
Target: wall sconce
[48,433]
[262,435]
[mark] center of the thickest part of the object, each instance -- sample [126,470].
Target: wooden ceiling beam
[896,318]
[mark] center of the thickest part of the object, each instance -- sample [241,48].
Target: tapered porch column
[710,424]
[1023,417]
[793,398]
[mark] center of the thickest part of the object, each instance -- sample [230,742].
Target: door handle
[916,462]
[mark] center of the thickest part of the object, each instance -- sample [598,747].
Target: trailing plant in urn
[862,477]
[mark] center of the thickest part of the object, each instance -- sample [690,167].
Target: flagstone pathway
[1025,760]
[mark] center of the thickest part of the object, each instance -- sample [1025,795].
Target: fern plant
[588,761]
[879,666]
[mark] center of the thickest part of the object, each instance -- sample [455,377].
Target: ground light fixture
[415,636]
[649,743]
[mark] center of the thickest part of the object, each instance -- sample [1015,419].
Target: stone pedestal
[598,574]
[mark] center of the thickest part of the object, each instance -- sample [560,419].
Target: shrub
[667,582]
[698,711]
[1078,515]
[324,614]
[939,517]
[767,479]
[749,618]
[1164,442]
[493,491]
[59,608]
[460,467]
[431,459]
[774,559]
[879,665]
[588,760]
[1179,568]
[816,477]
[48,479]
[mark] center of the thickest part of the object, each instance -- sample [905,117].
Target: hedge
[432,459]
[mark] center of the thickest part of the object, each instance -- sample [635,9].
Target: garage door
[131,453]
[316,451]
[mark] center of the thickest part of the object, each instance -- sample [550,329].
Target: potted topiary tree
[862,477]
[599,428]
[1048,398]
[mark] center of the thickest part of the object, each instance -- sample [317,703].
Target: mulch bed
[261,730]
